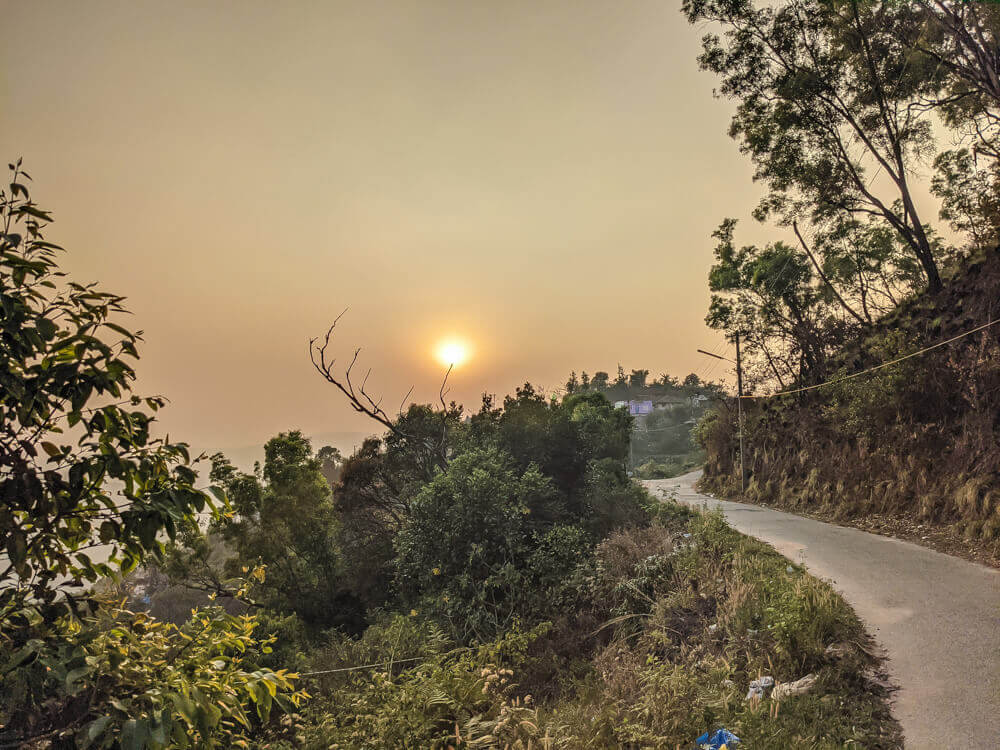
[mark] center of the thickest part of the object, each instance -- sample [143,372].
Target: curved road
[937,616]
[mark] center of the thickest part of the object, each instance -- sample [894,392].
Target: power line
[879,367]
[362,666]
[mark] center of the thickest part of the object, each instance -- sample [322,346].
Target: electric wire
[877,367]
[362,666]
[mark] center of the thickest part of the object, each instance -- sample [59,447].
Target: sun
[452,352]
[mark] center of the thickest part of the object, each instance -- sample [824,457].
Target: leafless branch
[358,398]
[403,402]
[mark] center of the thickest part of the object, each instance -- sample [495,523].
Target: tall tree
[79,465]
[817,100]
[286,520]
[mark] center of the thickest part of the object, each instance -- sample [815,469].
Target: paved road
[937,616]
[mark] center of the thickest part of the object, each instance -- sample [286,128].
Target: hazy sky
[541,178]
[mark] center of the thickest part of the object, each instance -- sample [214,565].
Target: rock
[787,689]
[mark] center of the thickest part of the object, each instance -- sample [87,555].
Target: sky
[540,179]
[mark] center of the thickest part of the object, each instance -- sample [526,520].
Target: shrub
[124,679]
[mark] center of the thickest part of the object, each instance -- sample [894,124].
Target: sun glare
[452,352]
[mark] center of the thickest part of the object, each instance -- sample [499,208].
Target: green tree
[637,379]
[330,462]
[766,295]
[817,97]
[464,550]
[970,196]
[285,519]
[573,384]
[79,465]
[80,470]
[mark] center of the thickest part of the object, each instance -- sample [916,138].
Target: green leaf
[185,707]
[75,674]
[97,728]
[20,658]
[135,734]
[51,449]
[46,328]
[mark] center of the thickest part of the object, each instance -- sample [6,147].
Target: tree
[816,93]
[330,461]
[621,379]
[465,546]
[637,379]
[767,296]
[952,46]
[573,384]
[970,197]
[70,426]
[285,520]
[600,381]
[81,469]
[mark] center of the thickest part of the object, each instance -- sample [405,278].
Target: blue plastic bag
[717,740]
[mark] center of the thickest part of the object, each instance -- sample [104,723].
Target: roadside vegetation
[497,581]
[501,581]
[843,108]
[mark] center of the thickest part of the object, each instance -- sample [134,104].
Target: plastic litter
[721,739]
[800,686]
[760,688]
[838,650]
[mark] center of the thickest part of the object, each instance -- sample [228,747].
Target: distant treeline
[636,383]
[663,443]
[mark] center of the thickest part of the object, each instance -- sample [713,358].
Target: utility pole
[739,403]
[739,411]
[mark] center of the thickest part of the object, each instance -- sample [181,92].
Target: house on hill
[669,402]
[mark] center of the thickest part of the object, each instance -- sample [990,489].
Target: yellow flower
[436,571]
[413,613]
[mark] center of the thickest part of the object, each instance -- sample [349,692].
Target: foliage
[814,86]
[475,549]
[919,435]
[283,518]
[459,698]
[81,469]
[63,360]
[123,679]
[691,612]
[834,106]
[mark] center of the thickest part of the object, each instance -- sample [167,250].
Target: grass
[671,624]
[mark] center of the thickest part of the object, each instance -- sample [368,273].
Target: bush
[124,679]
[453,698]
[466,551]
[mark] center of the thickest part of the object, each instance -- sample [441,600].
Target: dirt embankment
[911,450]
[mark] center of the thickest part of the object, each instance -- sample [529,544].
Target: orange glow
[452,352]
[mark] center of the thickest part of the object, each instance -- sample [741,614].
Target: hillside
[912,444]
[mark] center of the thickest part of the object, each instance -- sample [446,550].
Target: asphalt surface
[936,616]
